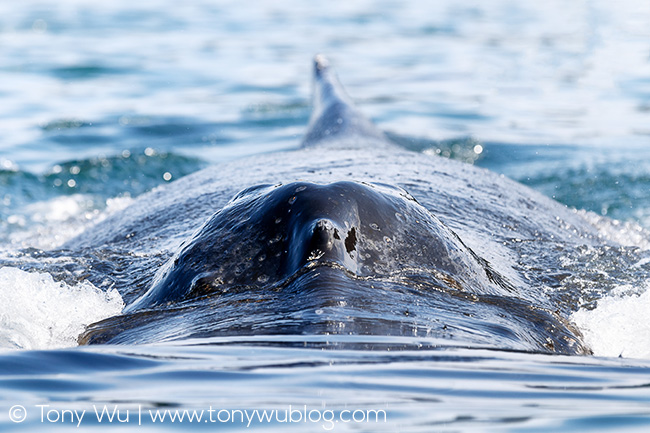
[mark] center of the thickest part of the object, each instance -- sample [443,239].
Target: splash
[619,324]
[50,223]
[37,312]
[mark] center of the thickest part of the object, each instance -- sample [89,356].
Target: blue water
[418,387]
[104,101]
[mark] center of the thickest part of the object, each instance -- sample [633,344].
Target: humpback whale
[346,234]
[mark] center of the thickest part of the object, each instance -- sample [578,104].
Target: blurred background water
[111,99]
[102,101]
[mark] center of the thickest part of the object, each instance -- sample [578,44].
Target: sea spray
[37,312]
[619,325]
[50,223]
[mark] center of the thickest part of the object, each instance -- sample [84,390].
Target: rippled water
[104,101]
[418,387]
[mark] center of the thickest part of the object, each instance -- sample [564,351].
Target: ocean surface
[103,101]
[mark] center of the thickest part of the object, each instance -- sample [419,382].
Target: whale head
[268,235]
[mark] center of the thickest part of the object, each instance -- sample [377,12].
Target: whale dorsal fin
[335,120]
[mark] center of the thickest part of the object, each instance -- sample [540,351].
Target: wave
[618,326]
[37,312]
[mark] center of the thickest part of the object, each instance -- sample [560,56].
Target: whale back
[335,121]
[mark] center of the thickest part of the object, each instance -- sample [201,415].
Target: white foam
[37,312]
[619,325]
